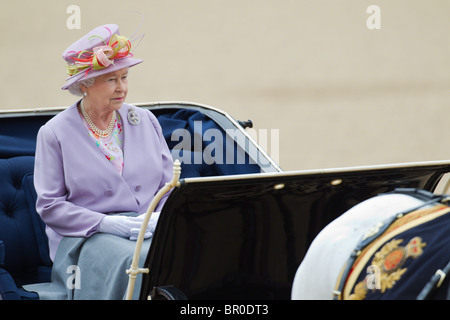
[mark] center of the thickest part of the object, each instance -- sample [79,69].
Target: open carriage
[235,227]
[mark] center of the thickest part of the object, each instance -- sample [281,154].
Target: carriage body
[236,227]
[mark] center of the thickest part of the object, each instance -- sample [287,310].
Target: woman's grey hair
[75,88]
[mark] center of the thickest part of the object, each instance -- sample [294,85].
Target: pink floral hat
[100,51]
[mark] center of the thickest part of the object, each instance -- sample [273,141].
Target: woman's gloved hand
[127,227]
[150,226]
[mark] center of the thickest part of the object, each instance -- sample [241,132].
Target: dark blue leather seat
[197,164]
[24,254]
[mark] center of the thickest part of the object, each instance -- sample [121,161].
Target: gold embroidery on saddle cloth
[391,256]
[388,261]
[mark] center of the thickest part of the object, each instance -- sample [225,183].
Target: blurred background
[340,94]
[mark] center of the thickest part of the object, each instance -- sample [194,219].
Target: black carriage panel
[244,237]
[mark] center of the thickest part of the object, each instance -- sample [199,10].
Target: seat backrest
[202,145]
[21,229]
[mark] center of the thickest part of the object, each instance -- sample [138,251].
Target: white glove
[150,226]
[123,226]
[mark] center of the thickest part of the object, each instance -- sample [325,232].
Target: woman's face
[109,90]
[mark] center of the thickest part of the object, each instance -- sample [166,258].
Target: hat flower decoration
[100,51]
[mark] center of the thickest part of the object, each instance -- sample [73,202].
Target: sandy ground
[339,93]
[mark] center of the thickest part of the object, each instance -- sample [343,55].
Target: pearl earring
[85,94]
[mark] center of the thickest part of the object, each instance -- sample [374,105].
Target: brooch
[133,117]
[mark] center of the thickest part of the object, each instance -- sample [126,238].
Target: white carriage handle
[134,270]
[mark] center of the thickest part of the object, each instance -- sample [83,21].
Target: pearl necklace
[101,133]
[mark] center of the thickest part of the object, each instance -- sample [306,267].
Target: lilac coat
[75,183]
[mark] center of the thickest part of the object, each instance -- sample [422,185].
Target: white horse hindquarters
[317,274]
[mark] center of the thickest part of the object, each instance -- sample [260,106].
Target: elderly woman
[98,165]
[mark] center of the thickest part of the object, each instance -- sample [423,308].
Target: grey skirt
[92,268]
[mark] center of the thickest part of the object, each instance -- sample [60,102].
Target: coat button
[137,188]
[108,193]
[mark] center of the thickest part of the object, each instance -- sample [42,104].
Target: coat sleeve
[62,216]
[167,161]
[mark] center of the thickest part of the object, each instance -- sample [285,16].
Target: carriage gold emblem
[389,261]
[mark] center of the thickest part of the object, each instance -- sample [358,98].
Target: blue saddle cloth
[401,261]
